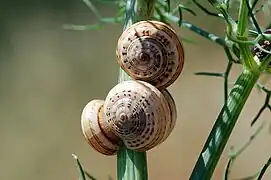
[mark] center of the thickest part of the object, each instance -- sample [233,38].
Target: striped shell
[152,52]
[173,114]
[138,113]
[96,130]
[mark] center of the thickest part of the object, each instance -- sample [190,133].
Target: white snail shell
[96,130]
[138,113]
[152,52]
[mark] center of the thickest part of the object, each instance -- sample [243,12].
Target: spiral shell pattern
[96,130]
[138,113]
[152,52]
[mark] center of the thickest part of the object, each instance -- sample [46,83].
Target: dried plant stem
[132,165]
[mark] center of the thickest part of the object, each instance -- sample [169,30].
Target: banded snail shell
[152,52]
[173,113]
[96,130]
[170,124]
[137,113]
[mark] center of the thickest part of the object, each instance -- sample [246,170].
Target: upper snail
[152,52]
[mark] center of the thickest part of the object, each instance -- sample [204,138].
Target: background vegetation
[48,74]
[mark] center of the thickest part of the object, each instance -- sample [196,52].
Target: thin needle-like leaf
[81,27]
[81,170]
[180,16]
[206,10]
[187,9]
[265,167]
[89,176]
[210,74]
[93,8]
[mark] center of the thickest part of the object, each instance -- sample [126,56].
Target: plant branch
[132,165]
[236,100]
[236,153]
[265,167]
[223,126]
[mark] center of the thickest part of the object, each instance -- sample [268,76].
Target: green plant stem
[241,33]
[132,165]
[223,126]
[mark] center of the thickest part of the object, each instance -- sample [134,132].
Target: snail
[151,51]
[96,130]
[140,114]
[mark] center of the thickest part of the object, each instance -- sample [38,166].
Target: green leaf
[160,14]
[168,6]
[82,174]
[82,27]
[210,74]
[93,8]
[206,10]
[180,16]
[187,9]
[89,176]
[108,20]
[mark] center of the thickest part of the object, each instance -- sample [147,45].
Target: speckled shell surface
[138,113]
[96,130]
[152,52]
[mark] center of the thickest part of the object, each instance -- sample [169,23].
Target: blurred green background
[48,74]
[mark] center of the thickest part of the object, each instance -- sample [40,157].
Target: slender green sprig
[265,167]
[236,153]
[266,104]
[80,168]
[84,175]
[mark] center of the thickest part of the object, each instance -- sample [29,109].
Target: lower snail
[151,51]
[140,114]
[135,112]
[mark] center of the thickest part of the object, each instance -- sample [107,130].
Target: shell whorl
[152,52]
[96,130]
[138,113]
[173,114]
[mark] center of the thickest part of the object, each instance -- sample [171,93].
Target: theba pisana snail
[151,51]
[140,112]
[134,111]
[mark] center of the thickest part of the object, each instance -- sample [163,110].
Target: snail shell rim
[89,132]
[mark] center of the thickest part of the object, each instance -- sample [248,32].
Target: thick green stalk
[241,33]
[231,110]
[223,126]
[132,165]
